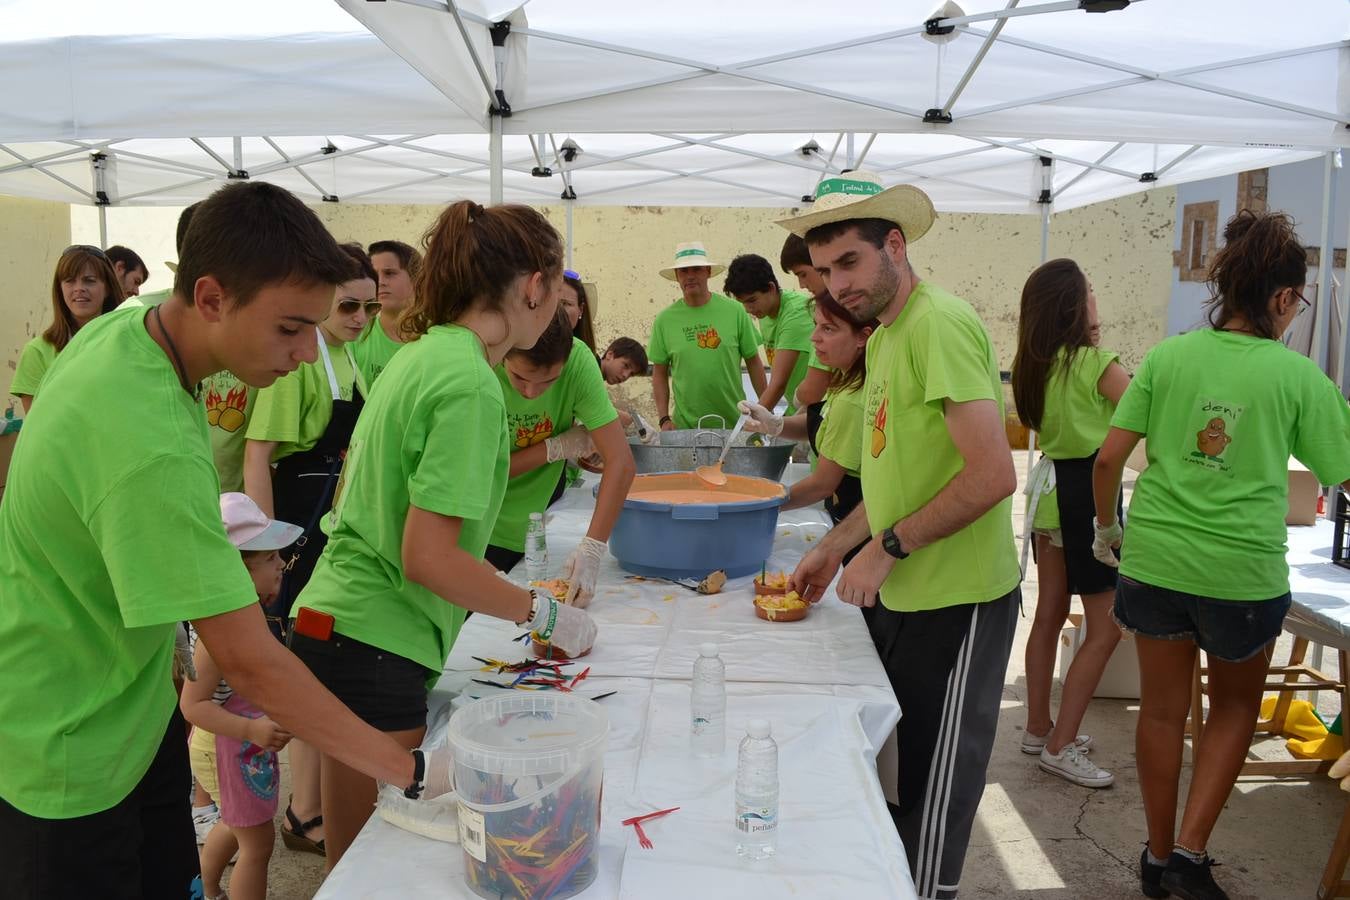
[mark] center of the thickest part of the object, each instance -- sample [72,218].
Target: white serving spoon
[713,474]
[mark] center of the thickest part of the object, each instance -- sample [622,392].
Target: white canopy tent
[745,104]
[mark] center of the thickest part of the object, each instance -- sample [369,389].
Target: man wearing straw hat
[699,341]
[937,476]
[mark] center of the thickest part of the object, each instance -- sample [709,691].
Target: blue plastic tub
[689,540]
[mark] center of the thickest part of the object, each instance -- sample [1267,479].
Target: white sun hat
[690,255]
[249,528]
[861,195]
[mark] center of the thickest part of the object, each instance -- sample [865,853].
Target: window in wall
[1199,232]
[1251,193]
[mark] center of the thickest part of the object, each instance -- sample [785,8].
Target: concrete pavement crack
[1078,830]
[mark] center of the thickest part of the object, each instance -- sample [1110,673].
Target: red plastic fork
[643,841]
[651,815]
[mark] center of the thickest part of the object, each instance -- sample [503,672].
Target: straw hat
[688,256]
[860,195]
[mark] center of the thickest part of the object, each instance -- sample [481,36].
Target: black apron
[303,485]
[848,494]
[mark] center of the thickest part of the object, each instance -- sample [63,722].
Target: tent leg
[1323,311]
[1341,310]
[495,161]
[568,205]
[1045,252]
[103,227]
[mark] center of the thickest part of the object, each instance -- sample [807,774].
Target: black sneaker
[1150,876]
[1191,880]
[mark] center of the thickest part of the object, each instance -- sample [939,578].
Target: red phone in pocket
[313,624]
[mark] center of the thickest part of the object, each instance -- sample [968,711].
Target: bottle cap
[707,648]
[758,728]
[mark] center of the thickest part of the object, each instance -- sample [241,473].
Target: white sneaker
[1032,745]
[1072,764]
[203,823]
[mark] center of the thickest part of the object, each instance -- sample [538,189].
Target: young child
[243,767]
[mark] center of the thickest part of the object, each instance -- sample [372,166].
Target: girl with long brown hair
[84,287]
[1066,389]
[1204,566]
[421,488]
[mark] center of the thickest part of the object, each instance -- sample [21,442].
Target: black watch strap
[890,542]
[414,790]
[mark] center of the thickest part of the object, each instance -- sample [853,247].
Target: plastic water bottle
[536,549]
[708,703]
[757,792]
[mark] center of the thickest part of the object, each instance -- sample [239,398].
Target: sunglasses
[347,307]
[86,248]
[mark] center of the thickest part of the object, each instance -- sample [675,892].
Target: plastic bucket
[689,540]
[529,771]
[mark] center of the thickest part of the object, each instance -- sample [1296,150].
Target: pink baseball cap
[249,528]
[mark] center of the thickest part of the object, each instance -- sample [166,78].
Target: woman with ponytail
[421,488]
[1202,565]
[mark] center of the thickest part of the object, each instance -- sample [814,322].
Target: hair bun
[475,211]
[1239,225]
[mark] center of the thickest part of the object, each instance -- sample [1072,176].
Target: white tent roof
[704,103]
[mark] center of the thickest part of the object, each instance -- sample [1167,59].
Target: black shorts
[385,690]
[1073,492]
[1231,630]
[144,847]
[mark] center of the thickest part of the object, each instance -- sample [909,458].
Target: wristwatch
[414,790]
[890,542]
[663,420]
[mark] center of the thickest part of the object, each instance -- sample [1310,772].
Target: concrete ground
[1041,838]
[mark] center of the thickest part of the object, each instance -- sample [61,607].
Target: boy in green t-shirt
[110,535]
[397,264]
[784,322]
[546,389]
[795,260]
[699,342]
[937,478]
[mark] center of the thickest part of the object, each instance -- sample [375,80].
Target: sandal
[294,837]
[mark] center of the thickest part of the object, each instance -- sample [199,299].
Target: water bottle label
[755,819]
[472,834]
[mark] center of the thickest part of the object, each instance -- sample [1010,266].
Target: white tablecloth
[818,681]
[1321,589]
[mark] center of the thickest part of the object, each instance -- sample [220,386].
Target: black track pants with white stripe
[947,669]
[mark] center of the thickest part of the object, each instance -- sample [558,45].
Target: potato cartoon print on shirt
[1215,424]
[528,430]
[877,413]
[226,411]
[708,338]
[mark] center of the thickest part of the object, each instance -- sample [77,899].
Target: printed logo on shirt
[705,336]
[768,354]
[528,429]
[876,412]
[226,411]
[1215,422]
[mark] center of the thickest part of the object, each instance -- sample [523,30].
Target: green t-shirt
[110,534]
[373,350]
[37,357]
[704,346]
[229,405]
[1075,420]
[578,395]
[1223,413]
[153,298]
[840,438]
[295,409]
[436,440]
[936,350]
[790,330]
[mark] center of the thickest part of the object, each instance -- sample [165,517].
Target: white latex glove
[572,443]
[1104,538]
[1341,769]
[646,433]
[581,570]
[439,778]
[761,420]
[569,628]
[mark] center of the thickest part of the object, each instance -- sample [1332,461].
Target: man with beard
[937,476]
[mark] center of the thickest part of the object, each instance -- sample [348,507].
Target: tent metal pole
[103,227]
[568,205]
[848,151]
[1045,254]
[495,162]
[979,58]
[1321,326]
[1341,303]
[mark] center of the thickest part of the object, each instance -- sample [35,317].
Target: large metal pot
[685,450]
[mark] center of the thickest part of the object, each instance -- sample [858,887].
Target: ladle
[713,474]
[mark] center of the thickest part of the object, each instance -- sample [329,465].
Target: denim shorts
[1231,630]
[385,690]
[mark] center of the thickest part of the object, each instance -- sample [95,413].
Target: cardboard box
[1120,678]
[1303,493]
